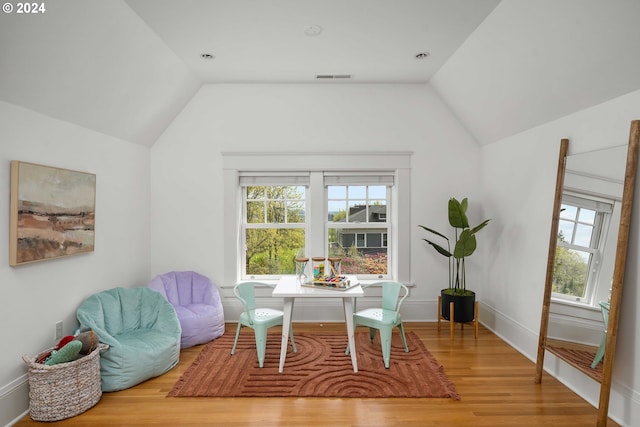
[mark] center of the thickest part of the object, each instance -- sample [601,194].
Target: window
[282,205]
[578,251]
[357,224]
[274,229]
[273,226]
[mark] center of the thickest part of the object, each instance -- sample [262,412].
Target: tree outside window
[274,229]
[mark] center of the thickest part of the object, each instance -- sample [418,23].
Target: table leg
[348,314]
[286,326]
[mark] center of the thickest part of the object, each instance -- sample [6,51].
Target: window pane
[378,192]
[255,212]
[587,216]
[357,211]
[568,212]
[255,193]
[273,251]
[356,257]
[295,212]
[570,272]
[276,192]
[337,211]
[337,191]
[295,193]
[275,212]
[565,231]
[378,212]
[357,191]
[583,235]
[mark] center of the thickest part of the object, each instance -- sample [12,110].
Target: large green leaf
[480,227]
[465,245]
[457,215]
[439,248]
[434,232]
[464,204]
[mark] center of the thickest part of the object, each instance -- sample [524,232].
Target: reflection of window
[579,247]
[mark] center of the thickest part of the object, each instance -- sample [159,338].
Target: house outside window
[357,222]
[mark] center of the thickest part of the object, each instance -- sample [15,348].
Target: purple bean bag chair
[197,303]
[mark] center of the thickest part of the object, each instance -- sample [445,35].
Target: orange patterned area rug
[320,368]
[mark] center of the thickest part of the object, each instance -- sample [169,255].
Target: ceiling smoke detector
[312,30]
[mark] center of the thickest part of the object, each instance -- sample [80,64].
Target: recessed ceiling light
[422,55]
[207,56]
[312,30]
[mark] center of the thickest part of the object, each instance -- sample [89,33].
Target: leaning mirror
[587,254]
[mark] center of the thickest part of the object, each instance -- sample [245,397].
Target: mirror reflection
[586,245]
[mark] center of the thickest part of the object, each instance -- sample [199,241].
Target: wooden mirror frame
[618,270]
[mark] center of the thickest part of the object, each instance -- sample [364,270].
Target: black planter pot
[463,306]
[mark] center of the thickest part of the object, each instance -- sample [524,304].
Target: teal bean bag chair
[141,329]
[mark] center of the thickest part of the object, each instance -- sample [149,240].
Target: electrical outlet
[58,330]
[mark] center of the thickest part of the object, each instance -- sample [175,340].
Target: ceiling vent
[333,76]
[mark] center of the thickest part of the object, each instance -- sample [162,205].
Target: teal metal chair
[605,318]
[385,318]
[258,319]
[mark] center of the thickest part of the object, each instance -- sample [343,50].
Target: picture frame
[52,213]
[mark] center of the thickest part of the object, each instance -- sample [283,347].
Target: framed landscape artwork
[52,212]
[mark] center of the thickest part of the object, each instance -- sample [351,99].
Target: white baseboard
[14,401]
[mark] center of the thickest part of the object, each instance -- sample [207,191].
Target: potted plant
[465,245]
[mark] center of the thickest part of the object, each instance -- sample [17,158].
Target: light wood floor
[496,384]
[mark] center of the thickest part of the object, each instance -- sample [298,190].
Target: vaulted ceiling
[126,68]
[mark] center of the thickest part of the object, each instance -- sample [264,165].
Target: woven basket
[64,390]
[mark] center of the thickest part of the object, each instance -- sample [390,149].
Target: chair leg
[233,350]
[372,334]
[404,340]
[293,343]
[385,342]
[261,344]
[600,352]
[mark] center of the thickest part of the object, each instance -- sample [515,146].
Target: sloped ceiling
[96,64]
[531,62]
[127,68]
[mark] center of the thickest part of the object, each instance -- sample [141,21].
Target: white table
[289,288]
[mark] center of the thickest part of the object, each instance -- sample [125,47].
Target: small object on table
[334,264]
[301,265]
[339,283]
[318,266]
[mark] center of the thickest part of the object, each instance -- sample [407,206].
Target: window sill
[575,304]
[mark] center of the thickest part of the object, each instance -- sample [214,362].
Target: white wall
[187,178]
[519,180]
[34,297]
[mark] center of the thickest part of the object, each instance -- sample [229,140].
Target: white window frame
[266,179]
[603,208]
[361,229]
[398,163]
